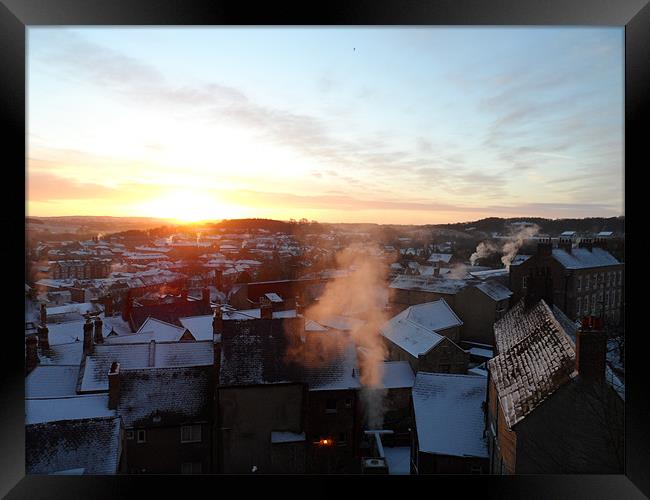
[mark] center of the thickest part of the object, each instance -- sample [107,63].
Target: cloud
[42,186]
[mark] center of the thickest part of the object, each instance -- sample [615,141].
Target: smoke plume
[362,294]
[484,249]
[511,247]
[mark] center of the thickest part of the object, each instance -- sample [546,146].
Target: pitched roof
[449,419]
[52,381]
[414,329]
[92,444]
[430,284]
[536,357]
[397,375]
[168,312]
[152,354]
[165,396]
[519,259]
[253,352]
[39,410]
[61,354]
[495,290]
[199,326]
[440,257]
[582,258]
[338,372]
[151,329]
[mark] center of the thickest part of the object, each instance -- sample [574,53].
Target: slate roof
[581,258]
[175,395]
[91,444]
[414,329]
[440,257]
[495,290]
[253,352]
[151,329]
[62,354]
[536,357]
[199,326]
[519,259]
[52,381]
[170,313]
[338,372]
[397,375]
[152,354]
[430,284]
[39,410]
[449,419]
[71,331]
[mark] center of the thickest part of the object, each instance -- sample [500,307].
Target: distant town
[258,346]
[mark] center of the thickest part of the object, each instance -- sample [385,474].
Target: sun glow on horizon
[189,206]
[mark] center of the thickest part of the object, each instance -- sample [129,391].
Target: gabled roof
[199,326]
[39,410]
[131,356]
[414,329]
[62,354]
[536,357]
[440,257]
[449,418]
[338,372]
[430,284]
[92,444]
[152,397]
[582,258]
[519,259]
[397,375]
[52,381]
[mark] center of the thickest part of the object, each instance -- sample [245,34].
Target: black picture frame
[17,15]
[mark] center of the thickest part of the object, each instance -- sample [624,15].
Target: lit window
[191,433]
[142,436]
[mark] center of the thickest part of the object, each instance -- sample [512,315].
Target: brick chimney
[184,294]
[43,336]
[128,305]
[565,244]
[600,243]
[114,386]
[99,334]
[299,308]
[436,269]
[43,314]
[591,349]
[205,295]
[217,321]
[544,247]
[587,243]
[266,308]
[31,353]
[88,336]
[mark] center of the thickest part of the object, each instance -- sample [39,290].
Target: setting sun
[188,206]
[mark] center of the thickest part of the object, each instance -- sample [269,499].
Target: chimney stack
[99,333]
[218,278]
[299,308]
[114,386]
[544,247]
[43,336]
[128,305]
[600,243]
[31,353]
[88,336]
[587,243]
[43,314]
[205,295]
[566,244]
[266,308]
[184,294]
[436,269]
[217,321]
[591,349]
[108,305]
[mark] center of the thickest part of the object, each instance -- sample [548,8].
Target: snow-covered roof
[247,314]
[409,335]
[338,373]
[78,308]
[48,381]
[604,234]
[71,331]
[199,326]
[568,233]
[495,290]
[582,258]
[273,297]
[343,323]
[76,407]
[92,444]
[161,330]
[440,257]
[164,396]
[397,375]
[429,284]
[286,437]
[481,352]
[449,417]
[62,354]
[436,315]
[398,459]
[519,259]
[150,354]
[489,273]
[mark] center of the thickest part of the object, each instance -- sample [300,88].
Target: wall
[245,431]
[478,313]
[445,464]
[445,353]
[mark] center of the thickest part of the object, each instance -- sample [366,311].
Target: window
[524,282]
[586,311]
[593,304]
[607,300]
[191,433]
[619,277]
[330,406]
[579,286]
[191,468]
[578,304]
[142,436]
[129,434]
[587,280]
[609,279]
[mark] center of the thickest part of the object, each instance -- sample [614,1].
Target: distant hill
[552,227]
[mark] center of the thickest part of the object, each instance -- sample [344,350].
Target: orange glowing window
[325,442]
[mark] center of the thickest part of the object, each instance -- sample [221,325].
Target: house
[167,415]
[412,290]
[449,424]
[550,407]
[426,336]
[480,306]
[581,281]
[397,382]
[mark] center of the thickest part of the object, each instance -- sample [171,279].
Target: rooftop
[39,410]
[582,258]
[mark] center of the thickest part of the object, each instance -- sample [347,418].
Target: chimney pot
[43,337]
[88,336]
[99,333]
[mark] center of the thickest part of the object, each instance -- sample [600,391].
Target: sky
[387,125]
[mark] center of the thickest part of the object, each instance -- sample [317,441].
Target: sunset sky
[388,125]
